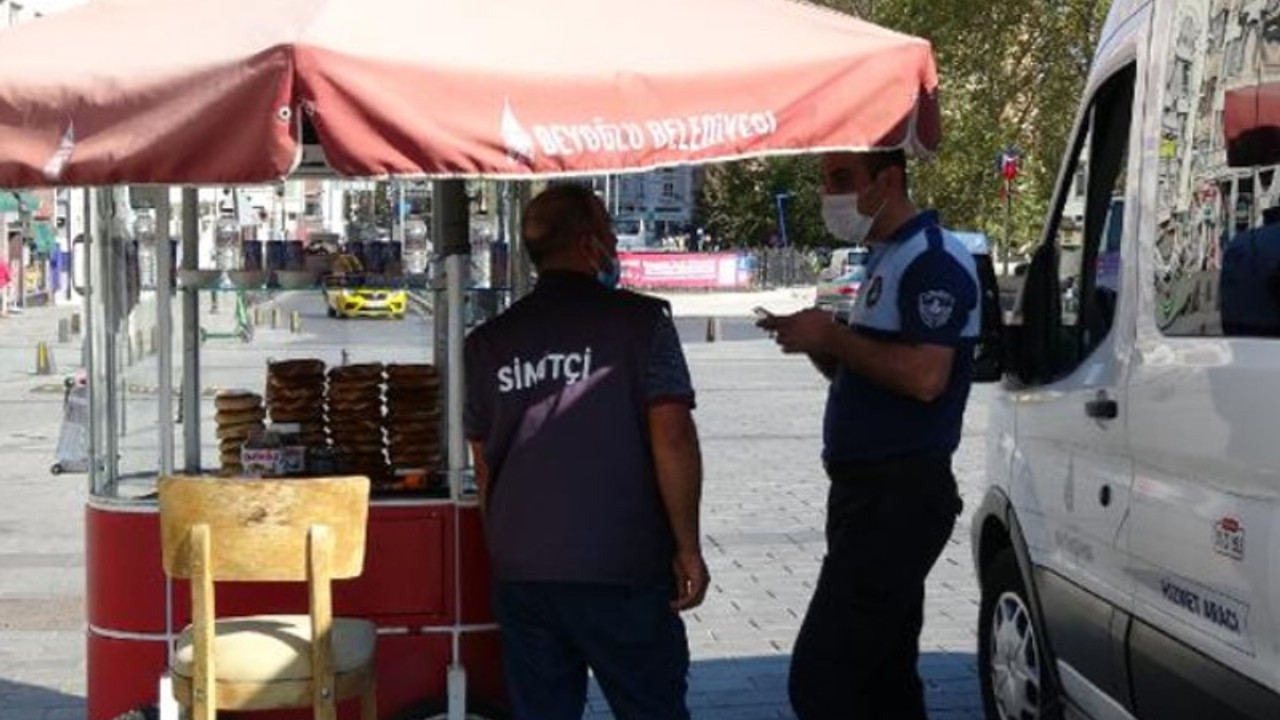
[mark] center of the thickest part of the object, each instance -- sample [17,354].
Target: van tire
[1012,659]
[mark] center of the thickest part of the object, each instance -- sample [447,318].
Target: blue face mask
[610,275]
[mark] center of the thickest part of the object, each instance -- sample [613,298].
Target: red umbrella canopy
[217,91]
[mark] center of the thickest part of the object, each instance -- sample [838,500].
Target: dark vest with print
[574,496]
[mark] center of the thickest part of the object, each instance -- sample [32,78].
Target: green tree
[739,204]
[1011,75]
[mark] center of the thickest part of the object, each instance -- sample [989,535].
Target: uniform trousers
[856,655]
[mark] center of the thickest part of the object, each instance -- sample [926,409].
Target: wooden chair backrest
[259,528]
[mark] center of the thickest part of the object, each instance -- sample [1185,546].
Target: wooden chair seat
[262,648]
[264,661]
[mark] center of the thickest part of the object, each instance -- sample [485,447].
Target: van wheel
[1012,660]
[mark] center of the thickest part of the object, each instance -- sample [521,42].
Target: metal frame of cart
[426,580]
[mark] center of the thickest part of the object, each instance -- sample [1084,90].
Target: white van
[1128,544]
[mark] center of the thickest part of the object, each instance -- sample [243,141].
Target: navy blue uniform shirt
[921,288]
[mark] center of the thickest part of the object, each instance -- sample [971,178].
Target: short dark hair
[877,162]
[555,217]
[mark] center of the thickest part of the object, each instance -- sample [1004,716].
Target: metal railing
[784,267]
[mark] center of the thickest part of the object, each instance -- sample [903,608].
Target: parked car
[1126,544]
[838,294]
[840,281]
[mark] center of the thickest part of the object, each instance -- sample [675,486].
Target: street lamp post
[783,240]
[781,199]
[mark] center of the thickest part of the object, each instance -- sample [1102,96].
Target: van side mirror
[988,359]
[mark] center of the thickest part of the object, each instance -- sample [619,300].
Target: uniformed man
[900,374]
[1249,287]
[579,414]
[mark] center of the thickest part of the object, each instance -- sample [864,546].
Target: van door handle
[1103,408]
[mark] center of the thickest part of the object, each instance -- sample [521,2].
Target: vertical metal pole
[504,201]
[1008,228]
[399,212]
[121,235]
[449,208]
[92,301]
[105,288]
[781,199]
[191,333]
[24,231]
[517,258]
[282,202]
[69,265]
[453,230]
[164,330]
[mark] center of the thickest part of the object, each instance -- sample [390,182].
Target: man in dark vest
[579,413]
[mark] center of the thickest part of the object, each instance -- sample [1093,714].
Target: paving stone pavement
[759,416]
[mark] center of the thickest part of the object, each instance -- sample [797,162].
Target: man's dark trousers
[856,655]
[628,636]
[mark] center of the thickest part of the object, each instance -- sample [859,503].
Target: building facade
[653,207]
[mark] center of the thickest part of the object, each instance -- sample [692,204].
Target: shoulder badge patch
[936,307]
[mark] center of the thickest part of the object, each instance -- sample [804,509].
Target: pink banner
[693,271]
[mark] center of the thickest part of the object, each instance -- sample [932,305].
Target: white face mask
[843,219]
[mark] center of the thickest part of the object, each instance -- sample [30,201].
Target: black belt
[892,468]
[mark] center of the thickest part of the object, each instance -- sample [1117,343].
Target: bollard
[295,322]
[128,351]
[275,318]
[257,316]
[140,346]
[713,329]
[44,359]
[75,323]
[64,331]
[154,346]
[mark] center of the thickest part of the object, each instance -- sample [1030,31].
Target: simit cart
[243,92]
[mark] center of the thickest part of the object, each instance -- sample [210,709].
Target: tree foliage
[739,201]
[1011,76]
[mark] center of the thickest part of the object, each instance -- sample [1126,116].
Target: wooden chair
[309,531]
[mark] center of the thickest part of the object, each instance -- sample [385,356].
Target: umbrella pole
[517,259]
[452,230]
[191,333]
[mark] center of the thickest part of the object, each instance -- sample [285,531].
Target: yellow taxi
[351,293]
